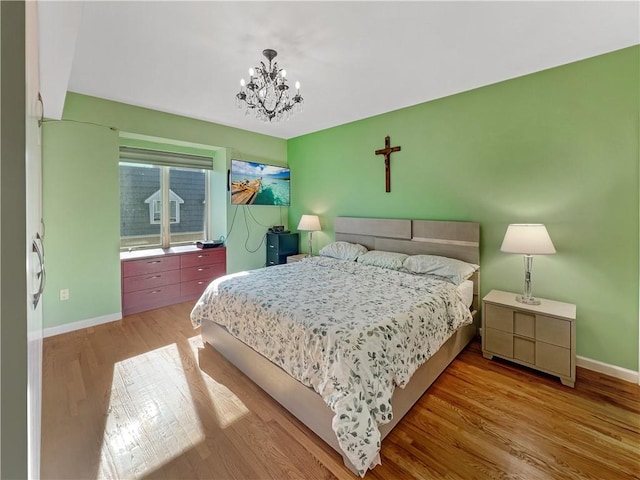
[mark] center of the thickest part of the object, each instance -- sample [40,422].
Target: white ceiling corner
[59,23]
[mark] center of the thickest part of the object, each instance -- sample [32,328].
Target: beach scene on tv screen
[259,184]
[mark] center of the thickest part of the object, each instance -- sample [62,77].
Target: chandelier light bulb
[283,72]
[297,85]
[251,72]
[242,83]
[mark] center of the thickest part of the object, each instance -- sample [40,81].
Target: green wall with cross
[558,147]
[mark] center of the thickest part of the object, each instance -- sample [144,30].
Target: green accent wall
[81,196]
[559,147]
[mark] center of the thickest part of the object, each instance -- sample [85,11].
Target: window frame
[128,156]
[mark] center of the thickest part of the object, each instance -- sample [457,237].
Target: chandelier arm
[261,103]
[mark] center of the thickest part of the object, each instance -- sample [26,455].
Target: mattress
[466,292]
[351,332]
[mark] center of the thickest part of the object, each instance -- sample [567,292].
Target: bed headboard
[460,240]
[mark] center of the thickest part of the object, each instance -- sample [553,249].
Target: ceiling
[353,59]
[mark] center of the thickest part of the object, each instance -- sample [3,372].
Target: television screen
[259,184]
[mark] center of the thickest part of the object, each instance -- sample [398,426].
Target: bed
[348,392]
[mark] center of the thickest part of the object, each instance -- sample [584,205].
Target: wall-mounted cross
[387,151]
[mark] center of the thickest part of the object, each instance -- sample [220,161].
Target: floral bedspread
[352,332]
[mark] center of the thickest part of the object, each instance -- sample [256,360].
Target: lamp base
[527,300]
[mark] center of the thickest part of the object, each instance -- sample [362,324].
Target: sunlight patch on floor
[151,416]
[227,407]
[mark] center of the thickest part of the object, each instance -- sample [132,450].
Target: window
[150,180]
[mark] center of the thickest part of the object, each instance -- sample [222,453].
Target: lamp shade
[309,223]
[528,239]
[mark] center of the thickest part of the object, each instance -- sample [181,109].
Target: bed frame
[451,239]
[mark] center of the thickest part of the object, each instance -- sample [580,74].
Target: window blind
[165,159]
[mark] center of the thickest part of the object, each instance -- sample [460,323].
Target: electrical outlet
[64,294]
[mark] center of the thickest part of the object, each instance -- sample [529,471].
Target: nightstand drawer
[499,318]
[499,342]
[524,350]
[553,331]
[524,324]
[553,358]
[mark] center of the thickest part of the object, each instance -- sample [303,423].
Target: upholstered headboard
[460,240]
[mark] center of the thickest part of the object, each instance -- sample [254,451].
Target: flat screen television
[259,184]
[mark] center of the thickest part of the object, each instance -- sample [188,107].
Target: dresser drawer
[205,257]
[150,265]
[150,280]
[152,296]
[202,272]
[193,288]
[499,318]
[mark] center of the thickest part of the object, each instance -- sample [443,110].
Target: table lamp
[309,223]
[528,239]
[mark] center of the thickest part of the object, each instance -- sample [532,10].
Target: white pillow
[454,270]
[380,258]
[343,250]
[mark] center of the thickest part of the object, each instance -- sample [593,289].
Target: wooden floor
[142,398]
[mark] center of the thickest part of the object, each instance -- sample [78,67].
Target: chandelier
[267,93]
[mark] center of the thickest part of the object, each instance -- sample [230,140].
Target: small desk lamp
[309,223]
[528,239]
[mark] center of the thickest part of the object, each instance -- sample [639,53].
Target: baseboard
[89,322]
[611,370]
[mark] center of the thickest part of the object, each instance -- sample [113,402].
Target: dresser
[160,277]
[280,246]
[542,336]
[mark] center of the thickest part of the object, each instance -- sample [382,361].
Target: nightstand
[542,336]
[296,258]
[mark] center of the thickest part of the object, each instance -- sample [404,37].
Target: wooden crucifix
[387,151]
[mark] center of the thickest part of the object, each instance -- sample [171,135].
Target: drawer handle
[203,269]
[155,261]
[154,276]
[203,256]
[272,246]
[200,283]
[154,292]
